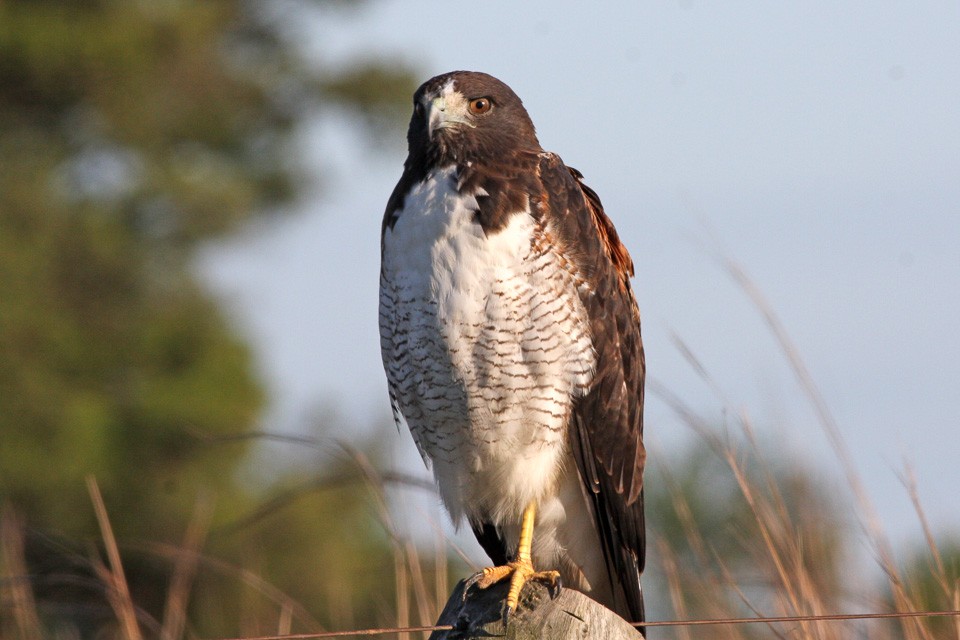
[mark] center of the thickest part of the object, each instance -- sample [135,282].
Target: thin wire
[826,617]
[662,623]
[344,634]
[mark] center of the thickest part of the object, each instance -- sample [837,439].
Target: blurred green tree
[131,132]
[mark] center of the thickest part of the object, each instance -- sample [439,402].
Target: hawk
[510,338]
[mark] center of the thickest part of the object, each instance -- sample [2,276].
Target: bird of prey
[510,337]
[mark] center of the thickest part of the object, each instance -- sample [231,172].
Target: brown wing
[607,429]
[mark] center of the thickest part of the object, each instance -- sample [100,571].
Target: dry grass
[703,585]
[778,536]
[788,565]
[16,595]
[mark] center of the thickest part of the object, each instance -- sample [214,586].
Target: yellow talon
[520,570]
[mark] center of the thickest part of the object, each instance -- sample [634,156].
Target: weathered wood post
[571,615]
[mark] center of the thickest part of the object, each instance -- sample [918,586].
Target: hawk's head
[467,116]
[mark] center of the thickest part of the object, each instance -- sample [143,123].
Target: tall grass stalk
[787,571]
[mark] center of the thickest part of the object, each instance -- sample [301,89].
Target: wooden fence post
[571,615]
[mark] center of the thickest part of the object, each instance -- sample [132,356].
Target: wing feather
[607,428]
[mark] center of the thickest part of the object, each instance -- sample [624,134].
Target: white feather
[486,344]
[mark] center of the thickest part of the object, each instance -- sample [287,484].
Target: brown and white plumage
[511,339]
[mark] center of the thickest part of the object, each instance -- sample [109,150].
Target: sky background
[817,144]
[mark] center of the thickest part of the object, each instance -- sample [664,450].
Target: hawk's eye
[418,108]
[480,105]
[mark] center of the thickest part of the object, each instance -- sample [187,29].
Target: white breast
[485,343]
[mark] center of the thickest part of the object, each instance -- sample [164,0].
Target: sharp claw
[468,583]
[519,573]
[555,588]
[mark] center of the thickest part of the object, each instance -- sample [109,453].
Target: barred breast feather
[486,346]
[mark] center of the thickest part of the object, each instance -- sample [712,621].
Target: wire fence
[656,623]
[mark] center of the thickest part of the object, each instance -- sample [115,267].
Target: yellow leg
[521,569]
[524,569]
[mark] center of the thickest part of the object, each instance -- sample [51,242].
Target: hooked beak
[444,114]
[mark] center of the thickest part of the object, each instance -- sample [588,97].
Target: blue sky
[817,144]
